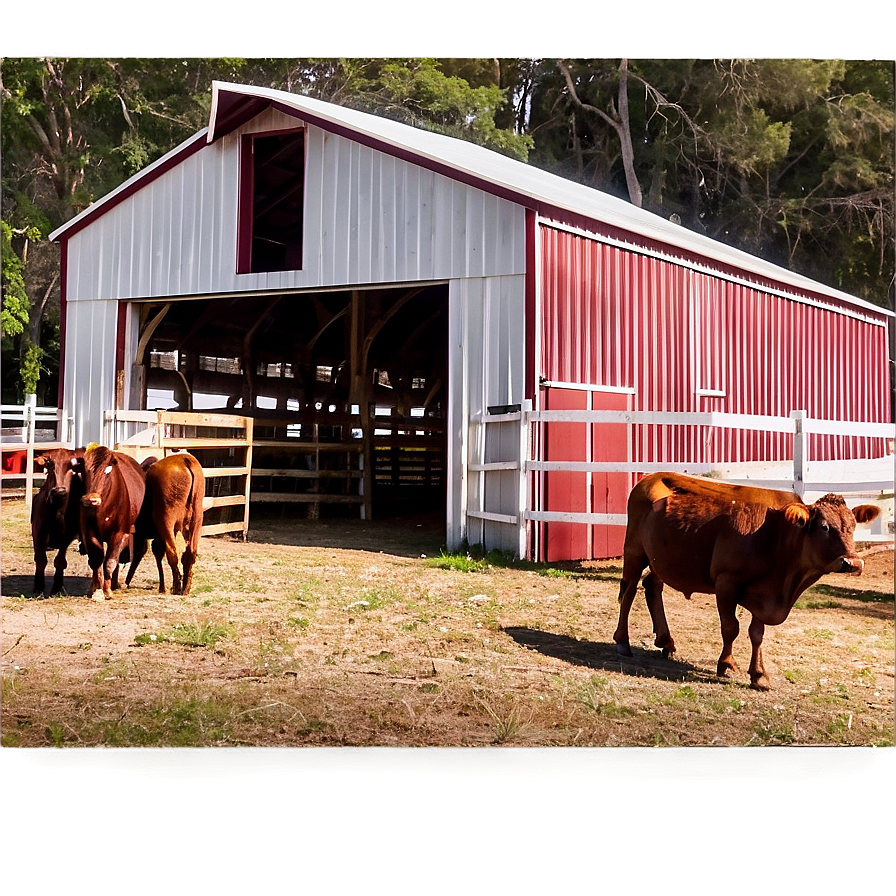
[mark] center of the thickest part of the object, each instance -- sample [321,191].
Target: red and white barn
[426,275]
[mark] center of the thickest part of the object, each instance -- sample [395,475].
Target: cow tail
[189,463]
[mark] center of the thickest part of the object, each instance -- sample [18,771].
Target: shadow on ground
[594,655]
[22,586]
[410,535]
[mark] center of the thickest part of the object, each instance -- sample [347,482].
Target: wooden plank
[223,501]
[202,443]
[307,498]
[511,520]
[217,472]
[222,528]
[306,445]
[222,421]
[309,474]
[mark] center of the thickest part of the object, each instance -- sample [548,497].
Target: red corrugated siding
[617,318]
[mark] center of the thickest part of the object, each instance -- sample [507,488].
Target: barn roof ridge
[235,104]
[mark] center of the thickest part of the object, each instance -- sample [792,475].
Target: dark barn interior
[346,388]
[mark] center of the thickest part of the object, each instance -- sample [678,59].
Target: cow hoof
[623,650]
[761,684]
[98,596]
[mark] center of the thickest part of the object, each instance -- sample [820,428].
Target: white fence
[870,478]
[27,429]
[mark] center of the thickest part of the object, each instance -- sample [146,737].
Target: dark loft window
[272,188]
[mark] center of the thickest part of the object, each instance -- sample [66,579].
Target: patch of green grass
[794,676]
[772,732]
[457,562]
[373,600]
[594,696]
[299,622]
[824,604]
[180,722]
[188,635]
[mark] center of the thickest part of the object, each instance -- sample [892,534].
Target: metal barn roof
[235,104]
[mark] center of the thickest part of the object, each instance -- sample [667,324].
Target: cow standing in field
[753,547]
[175,489]
[114,485]
[55,513]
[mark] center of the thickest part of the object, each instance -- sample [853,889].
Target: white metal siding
[89,379]
[487,367]
[369,218]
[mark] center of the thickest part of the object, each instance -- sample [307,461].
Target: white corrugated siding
[487,367]
[369,218]
[89,378]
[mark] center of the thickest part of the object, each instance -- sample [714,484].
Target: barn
[436,326]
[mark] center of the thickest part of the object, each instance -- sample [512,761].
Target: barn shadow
[22,586]
[595,655]
[402,535]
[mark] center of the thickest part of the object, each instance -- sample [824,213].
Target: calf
[55,513]
[114,486]
[175,489]
[753,547]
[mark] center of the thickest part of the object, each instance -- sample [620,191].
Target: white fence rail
[28,428]
[871,478]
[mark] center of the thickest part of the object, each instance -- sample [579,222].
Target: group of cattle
[750,547]
[115,506]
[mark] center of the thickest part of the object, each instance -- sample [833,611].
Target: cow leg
[59,564]
[188,559]
[632,567]
[653,593]
[758,677]
[158,551]
[95,561]
[110,566]
[40,566]
[140,546]
[726,601]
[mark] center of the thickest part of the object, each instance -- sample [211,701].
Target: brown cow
[55,513]
[114,485]
[753,547]
[175,489]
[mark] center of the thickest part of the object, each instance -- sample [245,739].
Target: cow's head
[64,472]
[827,527]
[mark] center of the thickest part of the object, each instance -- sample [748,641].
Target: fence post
[29,426]
[523,503]
[800,452]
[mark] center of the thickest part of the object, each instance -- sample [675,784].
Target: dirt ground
[350,633]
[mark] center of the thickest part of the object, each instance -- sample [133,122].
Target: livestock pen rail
[221,442]
[508,473]
[29,429]
[315,457]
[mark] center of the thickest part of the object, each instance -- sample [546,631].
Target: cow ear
[44,462]
[797,515]
[864,513]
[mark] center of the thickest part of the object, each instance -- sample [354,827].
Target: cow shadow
[873,604]
[23,586]
[596,655]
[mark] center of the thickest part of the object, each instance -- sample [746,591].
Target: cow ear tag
[108,469]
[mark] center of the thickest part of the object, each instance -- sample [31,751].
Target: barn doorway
[347,389]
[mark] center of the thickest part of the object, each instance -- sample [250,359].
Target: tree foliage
[791,160]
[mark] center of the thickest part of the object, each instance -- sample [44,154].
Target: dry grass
[343,634]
